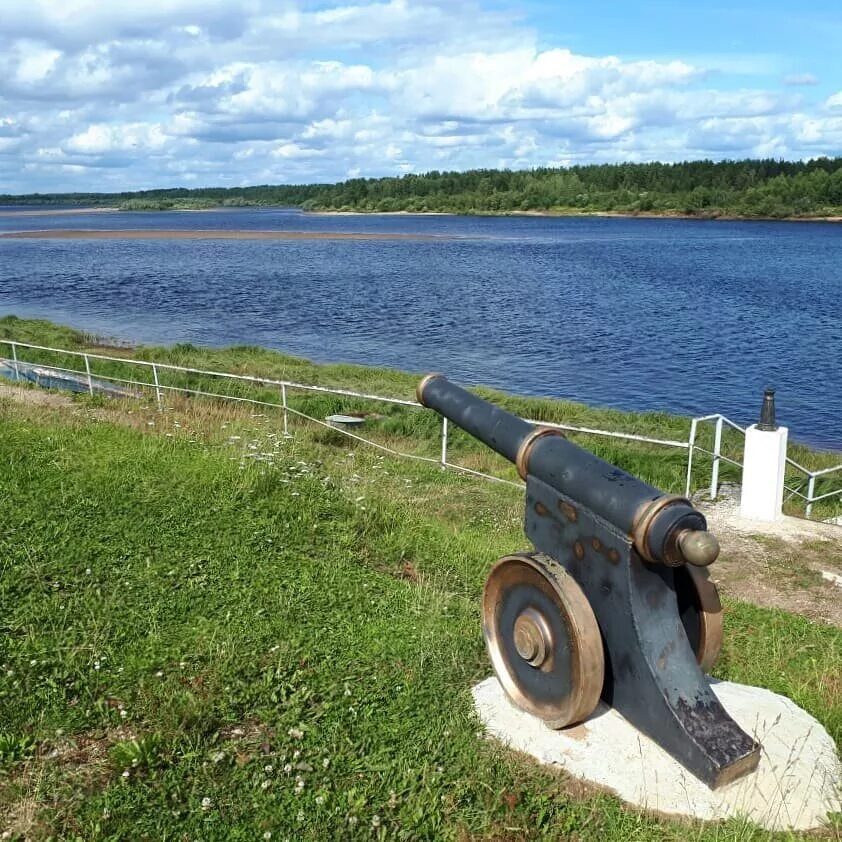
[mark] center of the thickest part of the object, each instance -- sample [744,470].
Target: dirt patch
[34,397]
[80,763]
[780,566]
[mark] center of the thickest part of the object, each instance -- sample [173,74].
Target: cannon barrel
[665,529]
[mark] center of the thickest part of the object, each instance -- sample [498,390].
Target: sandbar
[56,212]
[210,234]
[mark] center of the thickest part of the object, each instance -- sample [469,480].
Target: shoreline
[544,214]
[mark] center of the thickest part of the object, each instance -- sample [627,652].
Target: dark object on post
[616,602]
[767,412]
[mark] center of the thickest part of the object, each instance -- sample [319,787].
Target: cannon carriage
[614,603]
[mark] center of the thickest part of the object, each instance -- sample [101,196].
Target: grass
[411,430]
[212,631]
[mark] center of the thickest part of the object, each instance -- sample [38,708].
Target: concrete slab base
[797,783]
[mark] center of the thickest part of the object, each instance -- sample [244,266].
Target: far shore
[222,234]
[704,217]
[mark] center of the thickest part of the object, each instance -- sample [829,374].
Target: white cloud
[250,91]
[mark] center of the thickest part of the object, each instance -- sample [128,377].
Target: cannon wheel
[543,639]
[701,613]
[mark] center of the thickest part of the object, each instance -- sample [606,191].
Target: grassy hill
[213,631]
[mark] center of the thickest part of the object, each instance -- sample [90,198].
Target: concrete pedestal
[796,785]
[764,463]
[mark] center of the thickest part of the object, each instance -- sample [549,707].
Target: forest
[754,188]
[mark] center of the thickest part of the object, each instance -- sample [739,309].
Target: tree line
[747,188]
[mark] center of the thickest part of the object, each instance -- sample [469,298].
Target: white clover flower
[326,763]
[375,821]
[265,784]
[295,733]
[288,767]
[159,674]
[393,800]
[267,834]
[123,713]
[206,803]
[218,756]
[296,754]
[268,767]
[87,571]
[125,773]
[320,799]
[352,821]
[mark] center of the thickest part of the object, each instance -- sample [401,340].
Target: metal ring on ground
[701,613]
[543,639]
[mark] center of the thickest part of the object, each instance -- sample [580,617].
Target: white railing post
[443,442]
[157,388]
[717,452]
[811,490]
[15,362]
[88,369]
[284,405]
[690,444]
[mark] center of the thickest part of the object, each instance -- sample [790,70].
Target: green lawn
[198,644]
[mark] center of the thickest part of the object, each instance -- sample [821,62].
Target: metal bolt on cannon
[615,603]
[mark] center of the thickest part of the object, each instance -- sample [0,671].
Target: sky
[126,95]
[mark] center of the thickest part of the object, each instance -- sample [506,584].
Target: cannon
[614,604]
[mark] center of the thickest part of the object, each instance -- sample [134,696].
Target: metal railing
[155,385]
[717,456]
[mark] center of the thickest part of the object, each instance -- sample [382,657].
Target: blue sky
[112,96]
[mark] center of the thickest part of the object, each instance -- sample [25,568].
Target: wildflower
[375,821]
[287,767]
[300,816]
[267,834]
[295,733]
[267,768]
[33,662]
[159,674]
[218,756]
[206,803]
[326,763]
[320,799]
[352,821]
[123,713]
[393,800]
[265,784]
[87,571]
[125,773]
[296,754]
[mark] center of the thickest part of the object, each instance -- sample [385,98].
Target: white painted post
[157,388]
[15,361]
[717,447]
[764,463]
[811,490]
[88,369]
[443,442]
[284,404]
[691,443]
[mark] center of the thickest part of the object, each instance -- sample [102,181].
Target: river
[691,317]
